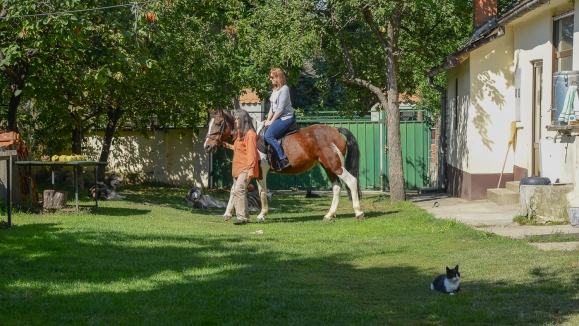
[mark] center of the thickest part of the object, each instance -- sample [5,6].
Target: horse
[339,157]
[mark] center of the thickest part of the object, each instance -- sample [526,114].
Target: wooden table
[75,165]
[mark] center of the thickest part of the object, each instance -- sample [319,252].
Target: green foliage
[170,60]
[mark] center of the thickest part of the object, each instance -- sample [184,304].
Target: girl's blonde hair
[280,77]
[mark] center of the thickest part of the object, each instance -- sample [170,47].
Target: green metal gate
[372,141]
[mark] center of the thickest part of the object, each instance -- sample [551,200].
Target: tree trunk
[13,110]
[397,190]
[114,116]
[54,199]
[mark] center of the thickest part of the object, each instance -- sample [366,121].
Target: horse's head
[220,128]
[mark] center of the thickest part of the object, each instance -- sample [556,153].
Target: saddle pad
[262,145]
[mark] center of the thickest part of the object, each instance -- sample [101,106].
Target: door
[537,115]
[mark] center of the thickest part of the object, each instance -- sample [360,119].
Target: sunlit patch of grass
[523,220]
[554,237]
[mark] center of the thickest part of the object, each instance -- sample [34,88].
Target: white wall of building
[491,94]
[173,156]
[491,107]
[458,103]
[533,40]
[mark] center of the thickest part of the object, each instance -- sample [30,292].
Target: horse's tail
[352,159]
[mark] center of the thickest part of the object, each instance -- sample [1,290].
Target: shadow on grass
[50,275]
[283,203]
[284,218]
[118,211]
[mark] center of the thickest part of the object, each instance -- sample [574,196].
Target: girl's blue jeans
[276,129]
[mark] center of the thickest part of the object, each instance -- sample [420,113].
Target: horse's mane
[258,125]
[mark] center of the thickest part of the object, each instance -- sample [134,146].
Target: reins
[219,133]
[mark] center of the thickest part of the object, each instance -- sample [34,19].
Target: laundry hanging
[571,104]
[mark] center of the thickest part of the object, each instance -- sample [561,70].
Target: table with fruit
[64,158]
[75,161]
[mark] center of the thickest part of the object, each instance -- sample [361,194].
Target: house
[250,102]
[507,72]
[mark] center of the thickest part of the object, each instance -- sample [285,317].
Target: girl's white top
[280,101]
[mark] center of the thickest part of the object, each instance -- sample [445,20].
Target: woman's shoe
[240,221]
[282,164]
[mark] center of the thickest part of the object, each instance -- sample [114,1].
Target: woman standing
[280,116]
[245,163]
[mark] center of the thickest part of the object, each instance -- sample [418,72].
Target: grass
[554,237]
[523,220]
[152,260]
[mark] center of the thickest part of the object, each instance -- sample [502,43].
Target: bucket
[573,213]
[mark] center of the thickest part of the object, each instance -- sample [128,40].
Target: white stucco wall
[482,145]
[533,40]
[491,108]
[456,128]
[576,37]
[174,156]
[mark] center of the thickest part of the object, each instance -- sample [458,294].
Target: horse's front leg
[262,187]
[229,210]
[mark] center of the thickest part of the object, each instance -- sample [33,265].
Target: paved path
[488,216]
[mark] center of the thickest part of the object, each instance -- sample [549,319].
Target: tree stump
[54,199]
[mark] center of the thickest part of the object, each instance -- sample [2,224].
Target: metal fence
[370,132]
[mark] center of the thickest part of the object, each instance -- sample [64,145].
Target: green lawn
[151,260]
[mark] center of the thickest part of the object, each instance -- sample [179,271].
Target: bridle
[219,133]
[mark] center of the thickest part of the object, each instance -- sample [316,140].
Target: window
[563,41]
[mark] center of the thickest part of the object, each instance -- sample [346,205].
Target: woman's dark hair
[245,123]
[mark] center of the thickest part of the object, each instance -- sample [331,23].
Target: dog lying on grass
[106,190]
[196,199]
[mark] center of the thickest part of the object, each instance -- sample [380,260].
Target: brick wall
[484,11]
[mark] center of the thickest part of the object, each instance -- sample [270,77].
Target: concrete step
[502,196]
[513,186]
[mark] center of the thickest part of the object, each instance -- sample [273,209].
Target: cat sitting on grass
[447,283]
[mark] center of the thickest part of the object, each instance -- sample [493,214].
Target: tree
[375,49]
[119,67]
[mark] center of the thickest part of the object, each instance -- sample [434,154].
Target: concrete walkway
[488,216]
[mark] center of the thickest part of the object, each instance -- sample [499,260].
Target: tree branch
[11,74]
[93,114]
[366,84]
[347,58]
[375,30]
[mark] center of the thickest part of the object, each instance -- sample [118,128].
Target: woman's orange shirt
[245,155]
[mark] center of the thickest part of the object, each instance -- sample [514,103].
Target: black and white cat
[447,283]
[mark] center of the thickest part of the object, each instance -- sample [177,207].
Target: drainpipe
[521,11]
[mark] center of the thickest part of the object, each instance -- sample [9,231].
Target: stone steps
[505,196]
[513,186]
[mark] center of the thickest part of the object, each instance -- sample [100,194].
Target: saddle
[264,147]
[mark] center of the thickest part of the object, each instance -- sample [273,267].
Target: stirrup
[282,164]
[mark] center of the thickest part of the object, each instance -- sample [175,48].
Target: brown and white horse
[339,157]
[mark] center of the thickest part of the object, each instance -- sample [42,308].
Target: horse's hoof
[260,219]
[329,217]
[226,218]
[360,216]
